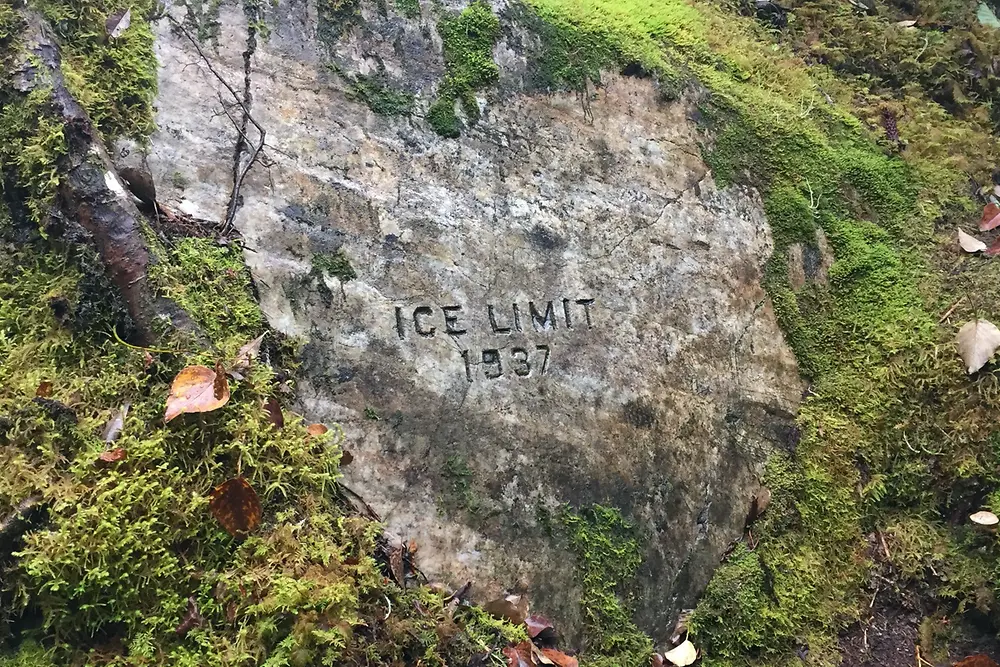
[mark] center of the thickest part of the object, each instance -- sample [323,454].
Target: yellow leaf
[196,389]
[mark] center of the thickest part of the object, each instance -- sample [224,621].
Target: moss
[211,283]
[468,40]
[114,80]
[608,550]
[380,97]
[409,8]
[336,17]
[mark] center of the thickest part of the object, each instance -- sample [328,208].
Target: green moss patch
[468,40]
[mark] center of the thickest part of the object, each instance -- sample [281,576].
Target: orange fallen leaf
[113,455]
[196,389]
[236,506]
[316,429]
[977,661]
[44,389]
[990,219]
[559,658]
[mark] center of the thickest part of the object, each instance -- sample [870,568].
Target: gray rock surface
[560,307]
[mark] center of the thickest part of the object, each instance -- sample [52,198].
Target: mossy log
[91,193]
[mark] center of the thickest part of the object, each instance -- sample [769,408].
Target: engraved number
[519,362]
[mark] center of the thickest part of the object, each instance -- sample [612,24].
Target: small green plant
[377,94]
[409,8]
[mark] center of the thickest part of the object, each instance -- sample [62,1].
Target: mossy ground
[896,440]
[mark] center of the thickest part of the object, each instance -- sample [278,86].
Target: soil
[891,636]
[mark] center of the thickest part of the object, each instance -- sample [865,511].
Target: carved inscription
[501,320]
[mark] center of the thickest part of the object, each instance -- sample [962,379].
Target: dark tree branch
[90,192]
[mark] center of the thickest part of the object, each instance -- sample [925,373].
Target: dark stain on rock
[639,413]
[545,239]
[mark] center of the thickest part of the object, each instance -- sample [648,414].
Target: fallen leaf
[513,608]
[657,660]
[970,243]
[396,564]
[994,249]
[520,655]
[113,455]
[906,24]
[196,389]
[761,501]
[274,414]
[247,354]
[977,661]
[977,341]
[537,625]
[559,658]
[991,217]
[345,458]
[236,506]
[118,23]
[316,429]
[44,389]
[985,518]
[192,619]
[682,655]
[147,361]
[116,424]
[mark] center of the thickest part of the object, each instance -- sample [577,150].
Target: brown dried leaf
[116,424]
[977,661]
[274,414]
[991,218]
[396,564]
[513,608]
[316,429]
[247,353]
[196,389]
[521,655]
[236,506]
[559,658]
[118,23]
[537,625]
[113,455]
[346,457]
[192,619]
[44,389]
[994,249]
[977,341]
[657,660]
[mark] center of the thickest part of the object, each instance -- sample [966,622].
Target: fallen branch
[20,521]
[90,191]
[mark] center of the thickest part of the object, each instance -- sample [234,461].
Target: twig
[372,513]
[885,548]
[951,310]
[240,173]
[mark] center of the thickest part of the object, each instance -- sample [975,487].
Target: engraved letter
[542,322]
[587,303]
[418,326]
[517,318]
[491,364]
[399,323]
[569,322]
[497,329]
[451,321]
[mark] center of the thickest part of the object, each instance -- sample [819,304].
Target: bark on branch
[91,193]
